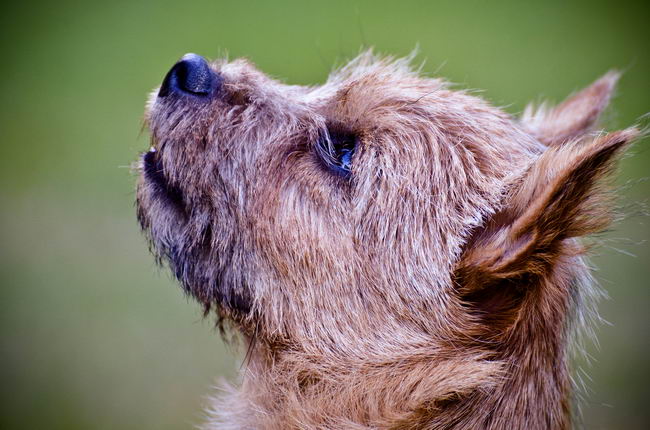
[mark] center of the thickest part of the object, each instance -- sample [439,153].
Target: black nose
[190,75]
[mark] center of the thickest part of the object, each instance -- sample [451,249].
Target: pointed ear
[574,117]
[559,197]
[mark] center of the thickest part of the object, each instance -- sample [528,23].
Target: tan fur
[437,287]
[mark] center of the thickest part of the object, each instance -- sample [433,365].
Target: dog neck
[516,379]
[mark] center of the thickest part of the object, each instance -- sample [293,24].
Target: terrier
[397,254]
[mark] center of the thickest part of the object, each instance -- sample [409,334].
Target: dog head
[379,200]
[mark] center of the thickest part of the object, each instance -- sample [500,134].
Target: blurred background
[94,335]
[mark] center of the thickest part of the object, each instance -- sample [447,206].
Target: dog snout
[190,75]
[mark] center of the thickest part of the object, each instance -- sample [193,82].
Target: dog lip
[154,173]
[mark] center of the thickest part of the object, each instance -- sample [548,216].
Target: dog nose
[190,75]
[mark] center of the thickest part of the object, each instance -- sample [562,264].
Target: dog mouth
[154,173]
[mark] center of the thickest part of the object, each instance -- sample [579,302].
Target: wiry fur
[435,288]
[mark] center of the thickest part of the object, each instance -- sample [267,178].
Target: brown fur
[436,287]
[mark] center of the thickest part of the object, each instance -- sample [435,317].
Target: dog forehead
[385,93]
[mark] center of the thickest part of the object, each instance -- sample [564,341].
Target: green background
[94,335]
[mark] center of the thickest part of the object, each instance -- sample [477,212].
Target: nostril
[191,74]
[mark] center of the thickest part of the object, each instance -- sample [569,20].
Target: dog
[396,253]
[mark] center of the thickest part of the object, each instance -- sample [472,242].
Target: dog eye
[336,151]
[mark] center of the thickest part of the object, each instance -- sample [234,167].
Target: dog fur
[439,285]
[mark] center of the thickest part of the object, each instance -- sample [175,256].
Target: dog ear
[559,197]
[574,117]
